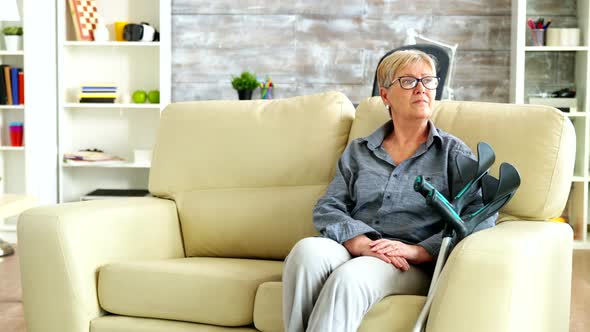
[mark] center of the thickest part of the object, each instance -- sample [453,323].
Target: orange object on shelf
[119,27]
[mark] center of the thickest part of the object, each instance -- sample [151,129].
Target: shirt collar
[376,138]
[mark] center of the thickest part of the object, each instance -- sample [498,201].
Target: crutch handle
[442,205]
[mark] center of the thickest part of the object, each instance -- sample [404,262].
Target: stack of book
[98,93]
[12,85]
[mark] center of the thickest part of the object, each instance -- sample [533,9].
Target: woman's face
[413,104]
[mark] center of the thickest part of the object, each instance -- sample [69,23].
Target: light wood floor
[11,308]
[11,313]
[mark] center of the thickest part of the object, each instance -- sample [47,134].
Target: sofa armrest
[61,248]
[512,277]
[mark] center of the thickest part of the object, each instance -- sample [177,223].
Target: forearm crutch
[495,194]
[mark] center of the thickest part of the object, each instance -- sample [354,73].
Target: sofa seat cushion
[396,313]
[218,291]
[113,323]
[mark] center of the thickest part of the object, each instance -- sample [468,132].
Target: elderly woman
[379,236]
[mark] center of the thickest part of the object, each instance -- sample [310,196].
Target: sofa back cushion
[538,140]
[245,175]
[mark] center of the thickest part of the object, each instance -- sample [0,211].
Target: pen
[547,25]
[531,24]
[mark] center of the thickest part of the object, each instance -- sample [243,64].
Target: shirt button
[377,222]
[395,175]
[388,196]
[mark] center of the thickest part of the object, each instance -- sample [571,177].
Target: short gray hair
[398,60]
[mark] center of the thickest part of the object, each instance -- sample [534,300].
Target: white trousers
[325,289]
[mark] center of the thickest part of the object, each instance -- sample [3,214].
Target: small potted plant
[13,38]
[246,83]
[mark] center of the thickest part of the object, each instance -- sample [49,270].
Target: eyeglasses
[410,82]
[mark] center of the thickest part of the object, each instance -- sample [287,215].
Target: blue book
[14,83]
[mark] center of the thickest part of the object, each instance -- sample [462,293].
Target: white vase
[13,43]
[101,33]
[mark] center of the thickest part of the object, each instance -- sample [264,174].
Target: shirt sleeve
[331,215]
[433,243]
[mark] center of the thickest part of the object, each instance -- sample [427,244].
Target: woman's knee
[317,251]
[376,278]
[360,275]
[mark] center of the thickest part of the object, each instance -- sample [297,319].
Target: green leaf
[13,31]
[246,81]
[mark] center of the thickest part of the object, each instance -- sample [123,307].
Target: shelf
[556,48]
[105,165]
[12,107]
[576,114]
[4,52]
[13,204]
[582,245]
[579,179]
[7,228]
[12,148]
[110,43]
[111,106]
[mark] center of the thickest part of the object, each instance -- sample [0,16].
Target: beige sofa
[235,183]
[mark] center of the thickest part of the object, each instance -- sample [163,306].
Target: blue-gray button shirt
[372,195]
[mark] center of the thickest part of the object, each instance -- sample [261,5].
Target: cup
[537,37]
[570,37]
[563,37]
[101,33]
[553,37]
[16,133]
[119,27]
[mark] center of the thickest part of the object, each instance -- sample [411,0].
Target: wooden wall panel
[309,46]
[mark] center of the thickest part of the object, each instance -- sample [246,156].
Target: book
[98,100]
[21,87]
[8,84]
[3,95]
[115,193]
[99,89]
[14,82]
[98,95]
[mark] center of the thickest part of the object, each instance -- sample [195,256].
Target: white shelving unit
[12,159]
[107,165]
[117,129]
[577,208]
[111,43]
[5,53]
[113,106]
[29,171]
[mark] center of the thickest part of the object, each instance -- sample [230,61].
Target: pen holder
[537,37]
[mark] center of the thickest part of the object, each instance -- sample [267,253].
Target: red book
[21,87]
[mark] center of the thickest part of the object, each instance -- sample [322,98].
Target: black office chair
[440,56]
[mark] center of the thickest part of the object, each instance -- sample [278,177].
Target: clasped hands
[397,253]
[394,252]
